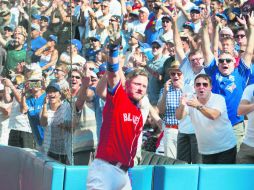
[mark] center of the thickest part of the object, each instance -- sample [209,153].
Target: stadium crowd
[198,55]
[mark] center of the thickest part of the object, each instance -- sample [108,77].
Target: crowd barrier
[26,169]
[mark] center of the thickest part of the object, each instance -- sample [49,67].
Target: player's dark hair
[204,76]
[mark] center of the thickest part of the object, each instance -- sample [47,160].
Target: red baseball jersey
[121,127]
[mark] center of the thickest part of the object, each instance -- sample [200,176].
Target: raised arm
[113,74]
[206,45]
[85,93]
[177,40]
[247,56]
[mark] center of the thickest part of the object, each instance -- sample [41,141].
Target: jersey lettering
[128,118]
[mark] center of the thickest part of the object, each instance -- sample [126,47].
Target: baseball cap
[227,30]
[166,17]
[222,16]
[158,42]
[195,8]
[77,44]
[53,37]
[144,10]
[189,24]
[5,2]
[43,17]
[35,27]
[53,85]
[220,1]
[36,16]
[175,65]
[96,37]
[8,27]
[183,35]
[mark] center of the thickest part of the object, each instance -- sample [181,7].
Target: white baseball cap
[144,10]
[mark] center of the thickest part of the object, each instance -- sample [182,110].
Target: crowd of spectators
[53,56]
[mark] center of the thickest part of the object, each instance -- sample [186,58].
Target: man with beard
[15,53]
[121,126]
[208,113]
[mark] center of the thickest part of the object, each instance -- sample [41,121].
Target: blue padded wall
[226,177]
[176,177]
[75,177]
[141,177]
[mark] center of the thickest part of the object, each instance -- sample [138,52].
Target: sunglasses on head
[96,2]
[204,84]
[175,73]
[228,60]
[76,77]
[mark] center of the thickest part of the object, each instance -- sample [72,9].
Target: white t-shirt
[213,136]
[18,121]
[4,131]
[115,8]
[249,135]
[139,27]
[185,125]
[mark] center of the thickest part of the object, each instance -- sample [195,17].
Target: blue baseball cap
[96,37]
[195,8]
[45,18]
[220,1]
[198,2]
[36,16]
[158,42]
[53,37]
[53,85]
[77,44]
[222,16]
[189,24]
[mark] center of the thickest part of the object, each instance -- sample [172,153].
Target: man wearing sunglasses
[227,80]
[208,113]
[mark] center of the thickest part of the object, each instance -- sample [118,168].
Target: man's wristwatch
[200,107]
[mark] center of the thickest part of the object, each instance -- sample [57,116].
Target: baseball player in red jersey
[121,127]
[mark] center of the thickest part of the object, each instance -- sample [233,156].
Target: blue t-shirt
[251,79]
[34,109]
[231,87]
